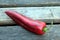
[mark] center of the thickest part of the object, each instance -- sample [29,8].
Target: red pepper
[34,26]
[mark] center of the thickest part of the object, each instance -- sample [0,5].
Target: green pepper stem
[45,29]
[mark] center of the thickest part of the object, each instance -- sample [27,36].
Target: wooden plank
[9,3]
[36,13]
[56,13]
[19,33]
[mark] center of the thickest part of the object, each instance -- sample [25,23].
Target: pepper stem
[45,29]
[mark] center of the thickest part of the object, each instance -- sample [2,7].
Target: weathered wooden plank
[36,13]
[56,13]
[19,33]
[32,12]
[5,3]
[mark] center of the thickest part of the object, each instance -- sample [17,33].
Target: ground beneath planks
[18,33]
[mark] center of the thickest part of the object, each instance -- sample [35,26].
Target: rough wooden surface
[19,33]
[6,3]
[36,13]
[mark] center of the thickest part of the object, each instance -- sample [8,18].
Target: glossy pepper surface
[35,26]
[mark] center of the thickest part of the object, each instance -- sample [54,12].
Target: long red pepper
[34,26]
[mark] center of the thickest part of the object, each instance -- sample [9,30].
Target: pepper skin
[34,26]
